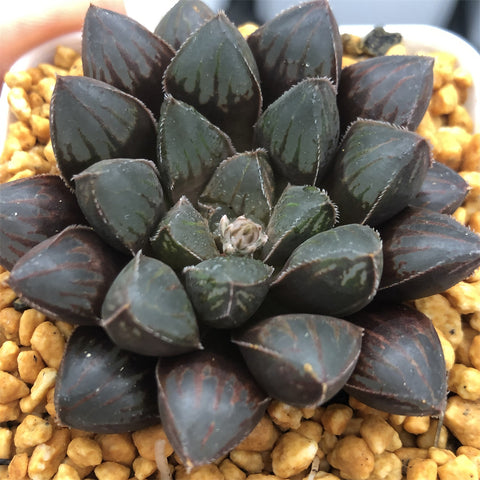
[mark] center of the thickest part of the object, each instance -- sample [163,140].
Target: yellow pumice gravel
[351,442]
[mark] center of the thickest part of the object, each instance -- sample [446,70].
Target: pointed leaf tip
[190,147]
[425,252]
[301,42]
[67,275]
[208,404]
[120,51]
[377,169]
[301,359]
[31,210]
[401,368]
[300,130]
[92,373]
[108,123]
[182,20]
[215,72]
[393,88]
[122,199]
[335,272]
[139,307]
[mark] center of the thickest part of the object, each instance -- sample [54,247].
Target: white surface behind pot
[376,12]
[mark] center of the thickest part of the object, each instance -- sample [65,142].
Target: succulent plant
[239,220]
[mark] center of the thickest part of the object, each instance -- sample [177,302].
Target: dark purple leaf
[91,121]
[67,275]
[424,253]
[443,190]
[31,210]
[299,43]
[401,368]
[393,88]
[120,51]
[103,389]
[182,20]
[215,72]
[147,311]
[301,359]
[377,170]
[208,404]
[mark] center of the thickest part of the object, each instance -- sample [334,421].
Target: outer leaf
[443,190]
[183,237]
[425,253]
[107,123]
[396,89]
[215,72]
[122,199]
[244,183]
[300,359]
[31,210]
[300,42]
[377,170]
[401,368]
[103,389]
[335,272]
[208,405]
[147,311]
[120,51]
[226,291]
[300,130]
[299,213]
[189,149]
[182,20]
[67,275]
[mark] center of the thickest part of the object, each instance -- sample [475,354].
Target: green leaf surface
[91,121]
[300,213]
[377,170]
[226,291]
[122,199]
[182,20]
[183,237]
[335,272]
[120,51]
[215,72]
[147,311]
[245,184]
[299,43]
[300,130]
[190,148]
[301,359]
